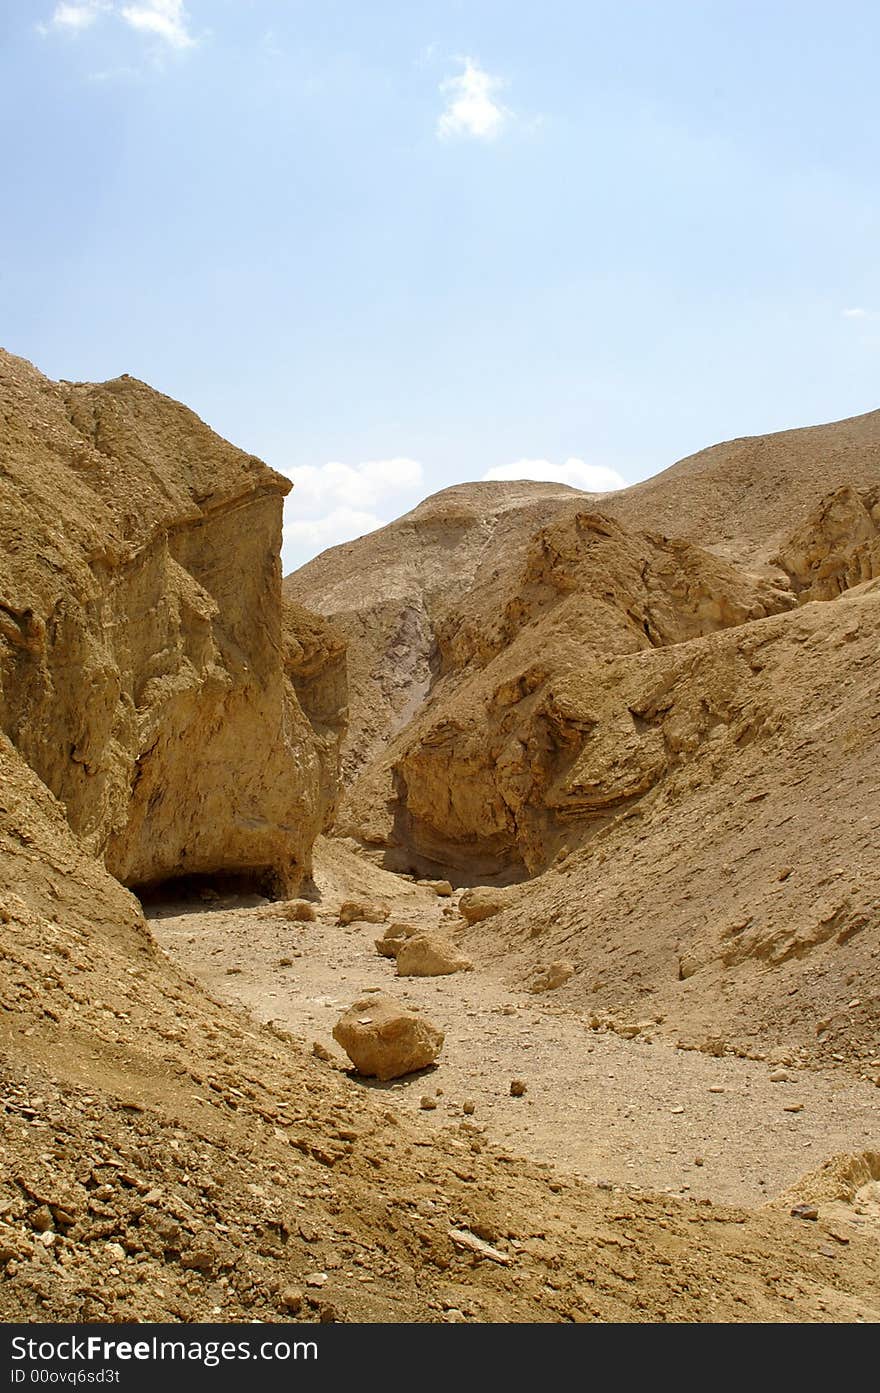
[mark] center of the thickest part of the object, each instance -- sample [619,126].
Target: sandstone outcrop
[386,1040]
[141,667]
[836,547]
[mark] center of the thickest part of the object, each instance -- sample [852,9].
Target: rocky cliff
[142,672]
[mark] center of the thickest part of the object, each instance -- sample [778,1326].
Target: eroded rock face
[836,547]
[141,670]
[386,1040]
[524,740]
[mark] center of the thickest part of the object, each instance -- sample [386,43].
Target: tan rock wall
[141,649]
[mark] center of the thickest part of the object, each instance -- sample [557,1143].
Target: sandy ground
[628,1112]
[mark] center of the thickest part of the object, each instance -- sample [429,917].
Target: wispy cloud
[856,313]
[592,478]
[333,502]
[77,15]
[472,110]
[166,20]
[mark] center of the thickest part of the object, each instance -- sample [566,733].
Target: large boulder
[385,1040]
[428,955]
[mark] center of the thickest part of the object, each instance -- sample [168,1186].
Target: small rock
[316,1279]
[440,887]
[556,974]
[115,1251]
[677,1111]
[793,1107]
[716,1088]
[41,1219]
[298,911]
[698,1161]
[391,942]
[321,1052]
[362,911]
[291,1299]
[484,901]
[779,1076]
[804,1211]
[517,1088]
[468,1107]
[427,1103]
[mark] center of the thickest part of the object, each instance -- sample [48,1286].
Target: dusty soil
[635,1112]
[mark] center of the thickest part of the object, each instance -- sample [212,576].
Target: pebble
[427,1102]
[316,1279]
[468,1107]
[779,1076]
[517,1088]
[292,1299]
[793,1107]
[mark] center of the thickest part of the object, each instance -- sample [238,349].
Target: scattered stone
[316,1279]
[428,955]
[517,1088]
[677,1111]
[793,1107]
[386,1040]
[804,1211]
[698,1161]
[716,1088]
[556,974]
[463,1238]
[362,911]
[779,1076]
[321,1052]
[427,1103]
[291,1299]
[469,1107]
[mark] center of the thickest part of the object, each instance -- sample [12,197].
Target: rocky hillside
[142,671]
[659,737]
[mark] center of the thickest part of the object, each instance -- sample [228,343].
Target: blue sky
[393,246]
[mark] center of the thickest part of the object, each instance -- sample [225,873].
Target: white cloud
[312,535]
[167,19]
[592,478]
[163,19]
[77,15]
[333,502]
[856,313]
[471,108]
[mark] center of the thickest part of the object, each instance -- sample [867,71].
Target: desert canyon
[579,793]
